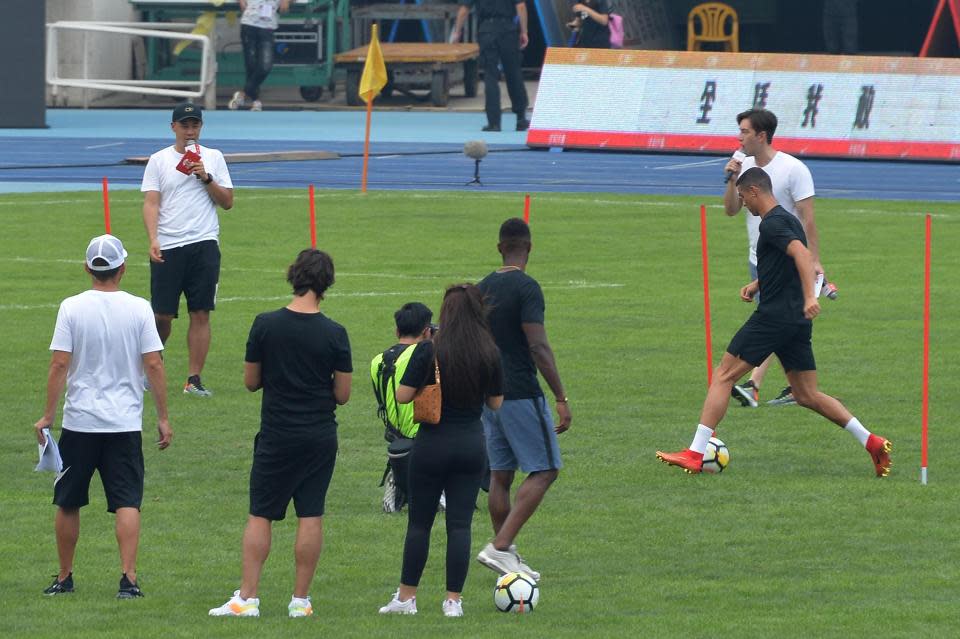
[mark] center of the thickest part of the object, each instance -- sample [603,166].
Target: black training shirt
[514,298]
[594,35]
[298,354]
[781,293]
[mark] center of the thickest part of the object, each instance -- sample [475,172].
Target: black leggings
[445,458]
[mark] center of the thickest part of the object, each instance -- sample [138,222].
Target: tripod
[476,176]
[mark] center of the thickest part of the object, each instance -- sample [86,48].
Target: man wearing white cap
[104,342]
[182,187]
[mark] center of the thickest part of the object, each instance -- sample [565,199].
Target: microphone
[475,150]
[196,149]
[739,156]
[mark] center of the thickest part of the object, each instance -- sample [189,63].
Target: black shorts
[285,468]
[758,337]
[118,457]
[194,270]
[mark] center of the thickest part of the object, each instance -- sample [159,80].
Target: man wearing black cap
[105,340]
[183,184]
[502,35]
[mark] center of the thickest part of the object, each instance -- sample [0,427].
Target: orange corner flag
[374,76]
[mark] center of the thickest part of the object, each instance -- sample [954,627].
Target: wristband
[562,400]
[209,179]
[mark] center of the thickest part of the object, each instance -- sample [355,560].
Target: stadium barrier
[204,86]
[834,106]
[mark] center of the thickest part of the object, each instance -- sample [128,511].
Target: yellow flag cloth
[374,76]
[206,23]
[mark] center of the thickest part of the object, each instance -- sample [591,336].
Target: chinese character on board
[814,94]
[864,106]
[707,98]
[761,91]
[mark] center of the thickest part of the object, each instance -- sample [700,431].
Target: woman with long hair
[448,456]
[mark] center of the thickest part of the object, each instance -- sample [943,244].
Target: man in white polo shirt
[183,185]
[104,342]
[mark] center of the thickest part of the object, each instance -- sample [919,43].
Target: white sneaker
[238,607]
[299,607]
[501,561]
[523,566]
[453,608]
[237,101]
[397,607]
[256,106]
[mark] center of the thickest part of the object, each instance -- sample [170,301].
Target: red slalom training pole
[313,220]
[526,209]
[925,401]
[706,291]
[106,205]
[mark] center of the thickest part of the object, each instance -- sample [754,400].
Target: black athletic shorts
[193,270]
[118,457]
[758,337]
[287,468]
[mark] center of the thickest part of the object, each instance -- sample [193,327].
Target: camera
[433,329]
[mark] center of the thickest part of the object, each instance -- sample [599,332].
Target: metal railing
[205,86]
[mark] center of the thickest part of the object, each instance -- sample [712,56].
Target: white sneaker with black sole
[501,561]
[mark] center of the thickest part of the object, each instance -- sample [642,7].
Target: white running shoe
[397,607]
[299,607]
[453,608]
[523,566]
[238,607]
[501,561]
[256,106]
[237,101]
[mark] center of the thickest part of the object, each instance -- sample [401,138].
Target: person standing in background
[502,35]
[257,24]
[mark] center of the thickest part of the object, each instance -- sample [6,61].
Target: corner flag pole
[106,205]
[526,209]
[706,291]
[313,221]
[925,401]
[372,81]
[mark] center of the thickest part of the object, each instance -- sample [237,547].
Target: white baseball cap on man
[107,248]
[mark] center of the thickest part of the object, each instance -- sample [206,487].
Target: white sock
[855,428]
[704,433]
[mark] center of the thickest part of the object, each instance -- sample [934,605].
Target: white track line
[686,165]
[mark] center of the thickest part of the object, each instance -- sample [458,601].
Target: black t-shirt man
[594,35]
[781,293]
[299,353]
[514,298]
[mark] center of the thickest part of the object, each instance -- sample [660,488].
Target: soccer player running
[522,433]
[793,189]
[104,342]
[781,325]
[180,214]
[301,360]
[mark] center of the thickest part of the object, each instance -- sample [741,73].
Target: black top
[781,293]
[298,354]
[514,298]
[594,35]
[421,372]
[500,10]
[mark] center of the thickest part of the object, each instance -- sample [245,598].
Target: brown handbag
[426,403]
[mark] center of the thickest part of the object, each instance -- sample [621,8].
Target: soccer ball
[516,592]
[717,456]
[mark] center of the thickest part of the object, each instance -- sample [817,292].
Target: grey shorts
[521,435]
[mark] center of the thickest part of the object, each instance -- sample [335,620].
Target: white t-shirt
[792,182]
[107,335]
[261,13]
[187,213]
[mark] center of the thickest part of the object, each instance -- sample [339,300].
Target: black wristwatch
[209,179]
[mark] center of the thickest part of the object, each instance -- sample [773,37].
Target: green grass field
[796,539]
